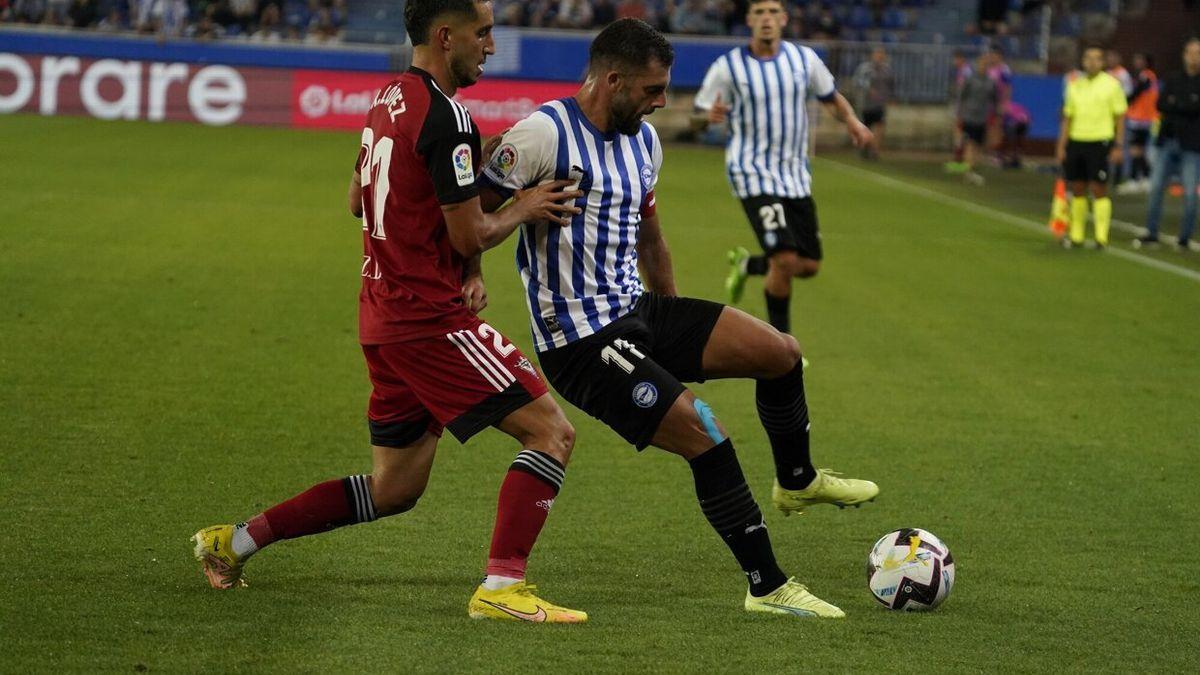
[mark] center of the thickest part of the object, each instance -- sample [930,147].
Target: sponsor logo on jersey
[464,173]
[552,323]
[645,395]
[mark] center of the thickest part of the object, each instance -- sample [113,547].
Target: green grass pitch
[178,348]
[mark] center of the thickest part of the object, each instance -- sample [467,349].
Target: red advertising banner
[220,94]
[338,100]
[496,105]
[333,99]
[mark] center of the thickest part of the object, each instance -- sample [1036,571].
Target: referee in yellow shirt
[1089,141]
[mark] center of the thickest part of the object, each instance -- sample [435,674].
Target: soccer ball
[910,570]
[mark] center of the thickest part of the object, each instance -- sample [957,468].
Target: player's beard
[464,70]
[626,116]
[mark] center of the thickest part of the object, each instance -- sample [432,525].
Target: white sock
[494,582]
[242,544]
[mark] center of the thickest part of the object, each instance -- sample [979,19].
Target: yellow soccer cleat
[793,598]
[735,282]
[827,488]
[518,603]
[214,551]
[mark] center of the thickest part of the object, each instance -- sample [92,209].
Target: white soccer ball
[910,570]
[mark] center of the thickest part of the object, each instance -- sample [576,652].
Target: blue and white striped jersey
[578,279]
[767,153]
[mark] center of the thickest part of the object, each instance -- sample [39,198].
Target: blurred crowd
[322,20]
[310,21]
[808,19]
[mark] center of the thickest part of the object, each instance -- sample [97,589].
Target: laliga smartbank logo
[318,101]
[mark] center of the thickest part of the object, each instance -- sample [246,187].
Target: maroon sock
[526,496]
[321,508]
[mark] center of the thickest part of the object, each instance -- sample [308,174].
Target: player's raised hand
[474,293]
[718,112]
[548,202]
[860,135]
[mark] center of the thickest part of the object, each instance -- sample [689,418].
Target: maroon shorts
[465,381]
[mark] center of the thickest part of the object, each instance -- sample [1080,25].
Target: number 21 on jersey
[373,175]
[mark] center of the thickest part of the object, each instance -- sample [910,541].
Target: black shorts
[785,224]
[1087,161]
[975,132]
[630,373]
[1138,137]
[873,116]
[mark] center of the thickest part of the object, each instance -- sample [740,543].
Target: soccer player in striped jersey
[761,90]
[432,362]
[620,348]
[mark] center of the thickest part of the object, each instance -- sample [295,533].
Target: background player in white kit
[761,89]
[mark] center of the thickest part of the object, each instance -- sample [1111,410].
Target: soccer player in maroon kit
[432,362]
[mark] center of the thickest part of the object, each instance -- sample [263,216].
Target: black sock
[778,312]
[731,510]
[783,412]
[1140,168]
[756,265]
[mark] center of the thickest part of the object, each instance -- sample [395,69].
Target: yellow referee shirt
[1091,106]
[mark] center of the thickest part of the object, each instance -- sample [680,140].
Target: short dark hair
[419,15]
[628,44]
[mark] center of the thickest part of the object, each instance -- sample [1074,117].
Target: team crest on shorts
[645,395]
[770,239]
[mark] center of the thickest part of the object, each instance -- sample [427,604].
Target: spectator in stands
[28,11]
[542,13]
[268,25]
[1139,120]
[1178,148]
[141,15]
[83,13]
[575,14]
[113,22]
[696,18]
[322,29]
[604,12]
[992,15]
[976,103]
[244,13]
[171,18]
[56,12]
[511,12]
[634,9]
[206,28]
[828,26]
[875,84]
